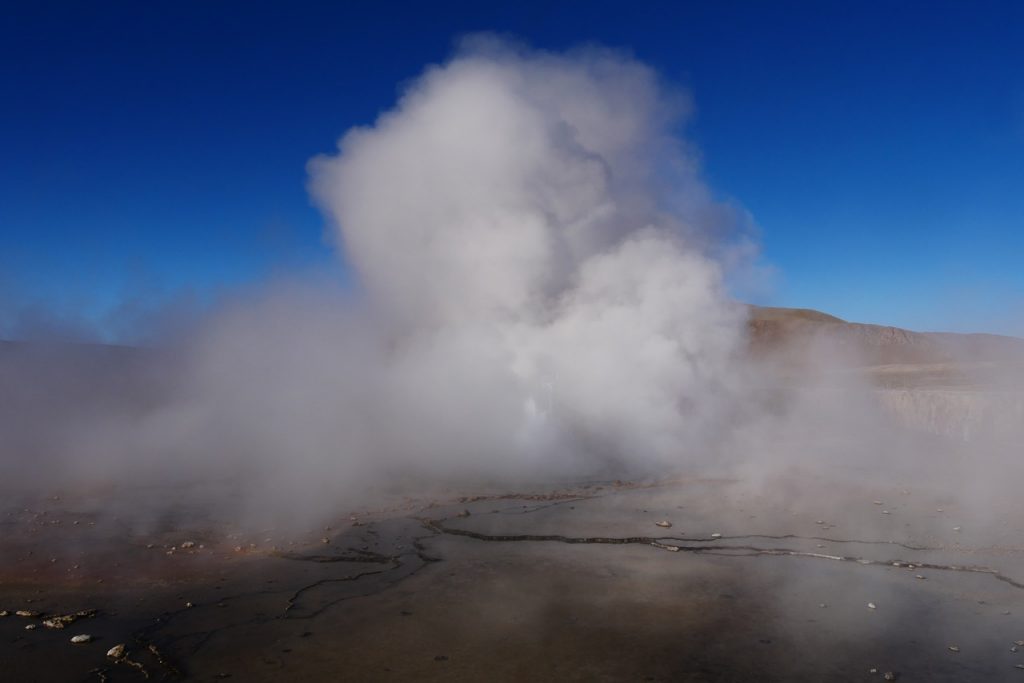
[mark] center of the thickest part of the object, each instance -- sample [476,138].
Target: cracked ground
[579,582]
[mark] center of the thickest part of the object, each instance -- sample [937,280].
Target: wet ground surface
[578,583]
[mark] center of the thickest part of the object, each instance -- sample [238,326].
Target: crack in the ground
[361,556]
[784,537]
[437,526]
[322,582]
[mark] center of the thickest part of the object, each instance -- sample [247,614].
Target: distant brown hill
[795,335]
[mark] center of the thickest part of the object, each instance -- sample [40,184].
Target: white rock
[665,524]
[81,638]
[117,651]
[871,605]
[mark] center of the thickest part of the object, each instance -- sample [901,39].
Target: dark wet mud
[575,584]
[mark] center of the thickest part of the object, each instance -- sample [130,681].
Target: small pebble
[116,652]
[954,648]
[81,638]
[871,605]
[716,535]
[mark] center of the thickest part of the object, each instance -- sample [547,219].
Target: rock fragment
[666,546]
[872,605]
[81,638]
[953,648]
[117,652]
[665,524]
[30,614]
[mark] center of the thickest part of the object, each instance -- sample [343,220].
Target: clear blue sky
[154,148]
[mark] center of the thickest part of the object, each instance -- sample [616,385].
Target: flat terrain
[577,583]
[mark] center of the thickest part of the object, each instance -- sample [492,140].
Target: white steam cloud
[508,222]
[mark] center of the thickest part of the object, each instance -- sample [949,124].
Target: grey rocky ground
[575,583]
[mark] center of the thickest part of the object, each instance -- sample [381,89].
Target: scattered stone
[885,512]
[877,502]
[822,605]
[953,648]
[30,627]
[1018,666]
[665,524]
[890,675]
[188,544]
[871,605]
[31,614]
[956,528]
[117,652]
[81,638]
[665,546]
[1019,643]
[189,604]
[325,540]
[872,671]
[716,535]
[918,576]
[60,621]
[4,613]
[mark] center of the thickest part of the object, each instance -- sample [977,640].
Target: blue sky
[157,150]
